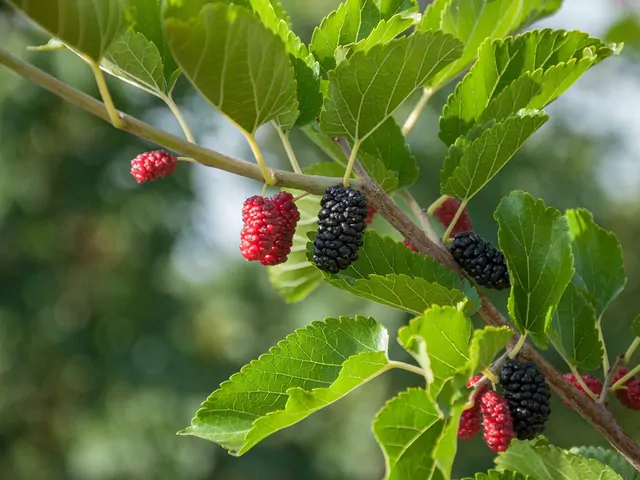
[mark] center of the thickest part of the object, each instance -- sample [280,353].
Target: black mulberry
[341,225]
[528,395]
[481,260]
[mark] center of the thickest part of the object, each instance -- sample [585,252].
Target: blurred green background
[122,306]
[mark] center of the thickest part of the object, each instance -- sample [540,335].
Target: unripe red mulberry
[594,384]
[629,396]
[268,228]
[447,211]
[150,166]
[408,245]
[371,211]
[496,421]
[470,423]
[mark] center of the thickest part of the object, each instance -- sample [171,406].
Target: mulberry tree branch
[594,413]
[204,156]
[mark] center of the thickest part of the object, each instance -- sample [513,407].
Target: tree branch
[595,413]
[204,156]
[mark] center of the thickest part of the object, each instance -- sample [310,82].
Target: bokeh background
[122,306]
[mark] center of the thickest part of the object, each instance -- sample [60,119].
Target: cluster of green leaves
[362,64]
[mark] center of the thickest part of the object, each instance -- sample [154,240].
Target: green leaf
[388,272]
[574,330]
[537,247]
[365,90]
[409,429]
[88,27]
[355,20]
[485,345]
[550,62]
[496,475]
[546,462]
[311,369]
[388,144]
[237,63]
[386,31]
[471,165]
[609,457]
[439,341]
[137,61]
[474,21]
[598,260]
[397,154]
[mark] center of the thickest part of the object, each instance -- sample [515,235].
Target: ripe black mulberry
[527,393]
[481,260]
[341,226]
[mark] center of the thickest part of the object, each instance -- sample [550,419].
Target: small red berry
[371,211]
[594,384]
[150,166]
[447,211]
[629,396]
[408,245]
[470,423]
[496,420]
[268,228]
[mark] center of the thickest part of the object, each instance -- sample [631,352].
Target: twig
[595,413]
[608,381]
[204,156]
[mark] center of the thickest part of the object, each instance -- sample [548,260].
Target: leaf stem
[301,196]
[417,110]
[620,383]
[269,179]
[580,380]
[609,378]
[186,159]
[421,216]
[518,346]
[287,148]
[434,206]
[351,163]
[606,366]
[116,121]
[406,366]
[631,350]
[179,117]
[456,217]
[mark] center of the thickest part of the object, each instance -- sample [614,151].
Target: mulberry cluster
[490,412]
[447,211]
[629,396]
[341,226]
[592,383]
[527,394]
[481,260]
[150,166]
[268,228]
